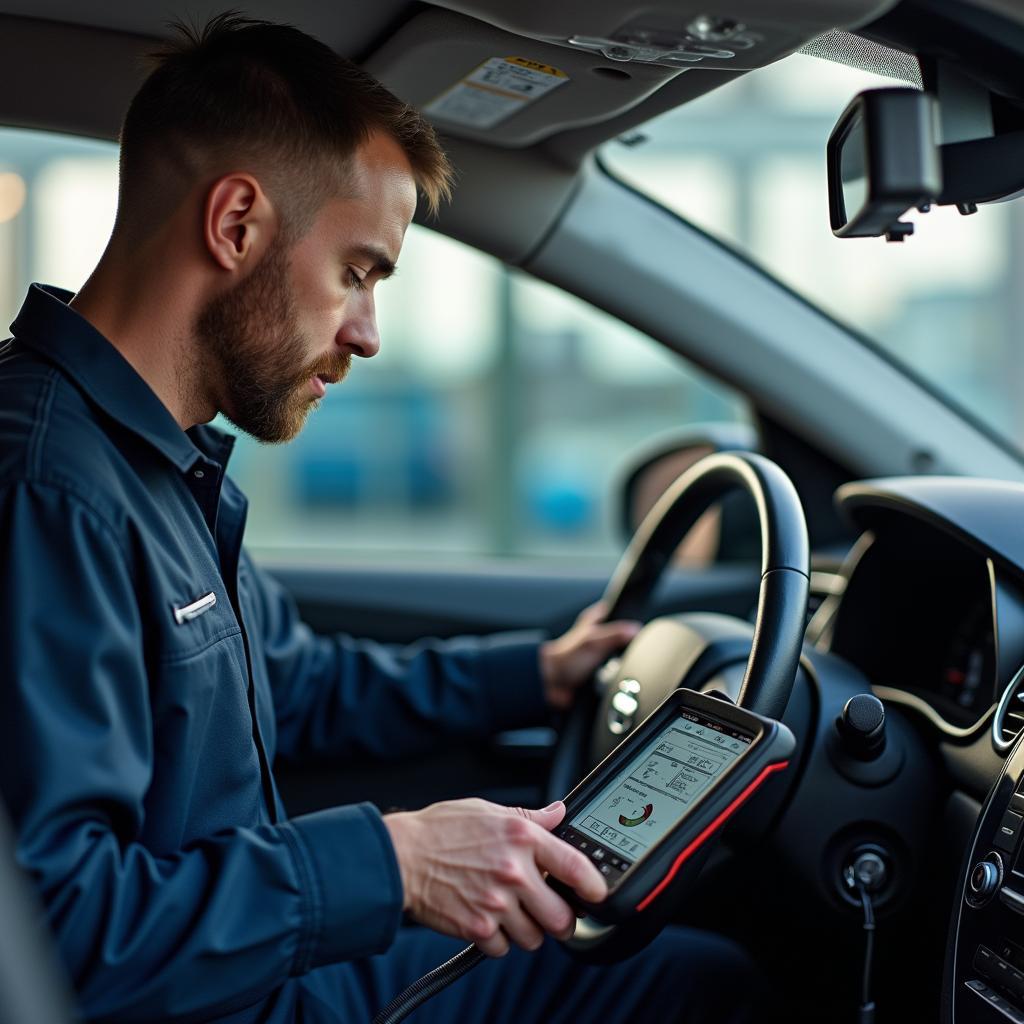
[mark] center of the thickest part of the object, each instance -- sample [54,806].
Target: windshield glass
[747,164]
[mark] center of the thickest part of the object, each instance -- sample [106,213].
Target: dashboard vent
[1009,717]
[822,603]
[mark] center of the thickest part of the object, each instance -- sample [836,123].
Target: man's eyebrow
[383,265]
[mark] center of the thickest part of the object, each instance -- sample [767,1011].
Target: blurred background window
[494,422]
[747,164]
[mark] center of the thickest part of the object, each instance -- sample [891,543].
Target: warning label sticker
[494,91]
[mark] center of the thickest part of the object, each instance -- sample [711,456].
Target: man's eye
[355,281]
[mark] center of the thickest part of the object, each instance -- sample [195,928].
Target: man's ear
[238,221]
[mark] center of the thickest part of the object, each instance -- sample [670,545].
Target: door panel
[397,605]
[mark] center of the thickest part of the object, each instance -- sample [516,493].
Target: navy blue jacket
[150,674]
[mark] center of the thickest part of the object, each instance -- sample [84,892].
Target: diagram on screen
[637,819]
[661,783]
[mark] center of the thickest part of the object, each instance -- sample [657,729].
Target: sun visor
[514,75]
[478,82]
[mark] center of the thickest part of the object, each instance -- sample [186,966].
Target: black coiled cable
[429,985]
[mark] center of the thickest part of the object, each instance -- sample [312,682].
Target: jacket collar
[51,327]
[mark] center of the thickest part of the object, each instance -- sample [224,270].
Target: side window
[494,422]
[58,195]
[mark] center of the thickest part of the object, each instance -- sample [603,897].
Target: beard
[253,352]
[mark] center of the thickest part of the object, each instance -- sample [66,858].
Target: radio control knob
[984,879]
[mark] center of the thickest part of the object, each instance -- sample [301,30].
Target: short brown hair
[241,89]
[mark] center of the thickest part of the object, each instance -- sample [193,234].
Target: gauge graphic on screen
[644,814]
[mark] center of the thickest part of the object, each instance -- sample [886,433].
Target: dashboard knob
[985,878]
[861,726]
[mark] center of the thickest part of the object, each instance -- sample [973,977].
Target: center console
[986,961]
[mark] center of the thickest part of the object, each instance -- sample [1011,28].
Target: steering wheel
[688,650]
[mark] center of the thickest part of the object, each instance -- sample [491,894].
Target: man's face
[291,326]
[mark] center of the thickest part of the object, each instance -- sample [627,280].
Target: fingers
[520,927]
[595,612]
[549,910]
[547,817]
[568,865]
[484,930]
[495,945]
[611,636]
[474,869]
[571,867]
[543,905]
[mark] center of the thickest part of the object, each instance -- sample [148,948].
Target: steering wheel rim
[778,630]
[785,564]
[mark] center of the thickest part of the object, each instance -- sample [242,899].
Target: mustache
[333,368]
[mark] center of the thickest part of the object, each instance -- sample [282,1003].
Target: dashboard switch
[1008,831]
[985,962]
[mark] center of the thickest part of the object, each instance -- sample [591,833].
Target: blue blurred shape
[560,505]
[336,478]
[385,448]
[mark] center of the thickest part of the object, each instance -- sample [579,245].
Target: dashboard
[933,607]
[932,614]
[918,617]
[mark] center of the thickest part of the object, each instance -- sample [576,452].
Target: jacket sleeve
[335,696]
[185,936]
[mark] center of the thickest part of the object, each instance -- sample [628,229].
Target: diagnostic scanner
[657,799]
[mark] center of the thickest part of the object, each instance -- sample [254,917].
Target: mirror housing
[723,532]
[883,159]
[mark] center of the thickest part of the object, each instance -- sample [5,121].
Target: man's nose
[359,335]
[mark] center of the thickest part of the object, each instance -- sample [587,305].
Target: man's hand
[571,660]
[474,869]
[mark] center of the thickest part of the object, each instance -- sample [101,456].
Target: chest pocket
[197,620]
[206,772]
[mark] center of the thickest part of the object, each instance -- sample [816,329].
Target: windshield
[747,164]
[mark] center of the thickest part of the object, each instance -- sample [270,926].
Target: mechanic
[151,673]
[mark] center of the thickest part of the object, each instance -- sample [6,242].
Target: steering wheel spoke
[669,652]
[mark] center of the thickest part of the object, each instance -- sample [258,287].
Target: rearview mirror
[883,160]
